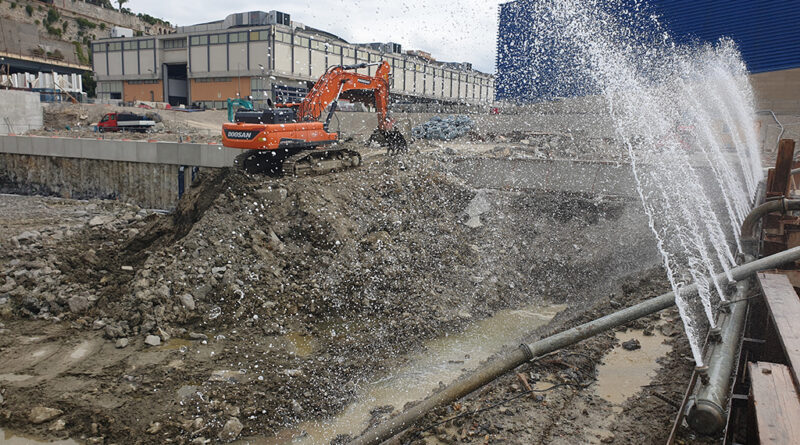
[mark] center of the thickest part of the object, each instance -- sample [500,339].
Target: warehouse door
[176,84]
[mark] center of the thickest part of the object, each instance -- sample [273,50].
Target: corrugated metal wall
[767,32]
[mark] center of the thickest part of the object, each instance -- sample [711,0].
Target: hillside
[60,31]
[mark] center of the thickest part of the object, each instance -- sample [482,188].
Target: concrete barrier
[172,153]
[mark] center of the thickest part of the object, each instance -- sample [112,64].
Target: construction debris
[444,128]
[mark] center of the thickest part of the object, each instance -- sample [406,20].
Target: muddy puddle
[442,360]
[623,373]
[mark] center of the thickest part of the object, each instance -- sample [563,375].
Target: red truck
[124,122]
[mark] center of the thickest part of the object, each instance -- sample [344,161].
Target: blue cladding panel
[766,31]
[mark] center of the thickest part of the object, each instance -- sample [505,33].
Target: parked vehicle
[124,121]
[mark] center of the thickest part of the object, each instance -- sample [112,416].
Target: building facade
[265,55]
[766,33]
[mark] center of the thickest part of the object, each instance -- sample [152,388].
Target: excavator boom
[340,79]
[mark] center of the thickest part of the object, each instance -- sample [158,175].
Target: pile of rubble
[443,128]
[367,264]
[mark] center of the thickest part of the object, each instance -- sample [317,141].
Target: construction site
[375,246]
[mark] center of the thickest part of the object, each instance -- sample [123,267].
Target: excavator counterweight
[291,139]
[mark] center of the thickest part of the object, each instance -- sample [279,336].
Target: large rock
[41,414]
[273,195]
[78,304]
[231,430]
[187,301]
[152,340]
[99,221]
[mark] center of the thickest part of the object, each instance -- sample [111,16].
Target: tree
[120,3]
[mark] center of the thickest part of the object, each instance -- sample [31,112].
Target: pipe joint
[715,335]
[527,350]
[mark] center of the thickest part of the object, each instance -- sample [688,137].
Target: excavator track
[320,161]
[259,161]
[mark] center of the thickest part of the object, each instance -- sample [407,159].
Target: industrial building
[265,55]
[765,32]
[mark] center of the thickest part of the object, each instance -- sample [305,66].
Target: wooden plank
[775,402]
[783,167]
[794,278]
[770,181]
[784,310]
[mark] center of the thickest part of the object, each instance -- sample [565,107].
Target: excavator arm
[339,79]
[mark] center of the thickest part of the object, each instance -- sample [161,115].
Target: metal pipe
[706,414]
[526,352]
[749,237]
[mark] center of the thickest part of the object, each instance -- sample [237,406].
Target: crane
[290,138]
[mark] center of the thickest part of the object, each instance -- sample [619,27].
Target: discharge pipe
[706,414]
[527,352]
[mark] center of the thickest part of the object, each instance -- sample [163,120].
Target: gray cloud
[455,31]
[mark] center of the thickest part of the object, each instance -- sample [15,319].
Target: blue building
[766,31]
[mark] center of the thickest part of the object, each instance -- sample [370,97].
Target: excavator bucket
[393,140]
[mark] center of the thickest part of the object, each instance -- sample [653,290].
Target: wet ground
[308,314]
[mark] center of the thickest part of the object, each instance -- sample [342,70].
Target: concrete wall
[172,153]
[778,91]
[146,174]
[80,8]
[144,184]
[20,111]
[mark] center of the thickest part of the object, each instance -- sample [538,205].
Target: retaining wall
[152,175]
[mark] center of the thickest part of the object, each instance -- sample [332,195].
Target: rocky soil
[262,302]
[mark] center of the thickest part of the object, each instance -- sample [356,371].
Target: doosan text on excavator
[290,138]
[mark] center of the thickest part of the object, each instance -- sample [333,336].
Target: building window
[146,44]
[199,40]
[115,46]
[237,37]
[213,79]
[99,47]
[349,52]
[174,43]
[283,37]
[143,82]
[259,35]
[301,41]
[216,39]
[129,45]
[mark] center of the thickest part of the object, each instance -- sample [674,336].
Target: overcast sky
[452,31]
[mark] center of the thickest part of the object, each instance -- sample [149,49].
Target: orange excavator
[290,139]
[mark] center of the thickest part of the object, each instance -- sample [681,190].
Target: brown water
[623,373]
[442,360]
